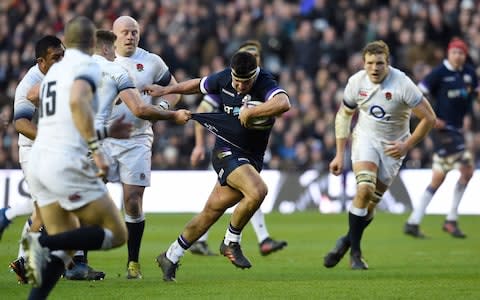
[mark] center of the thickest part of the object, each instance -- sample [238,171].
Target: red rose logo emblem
[388,96]
[139,67]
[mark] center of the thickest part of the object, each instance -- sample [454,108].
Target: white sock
[418,212]
[26,228]
[457,197]
[22,208]
[175,252]
[203,238]
[258,224]
[79,253]
[231,237]
[360,212]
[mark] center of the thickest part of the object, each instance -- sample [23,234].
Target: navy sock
[85,238]
[135,234]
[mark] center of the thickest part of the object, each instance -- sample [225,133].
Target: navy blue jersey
[219,87]
[452,91]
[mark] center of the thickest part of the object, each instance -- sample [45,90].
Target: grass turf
[401,267]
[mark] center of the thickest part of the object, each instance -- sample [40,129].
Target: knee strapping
[366,177]
[377,196]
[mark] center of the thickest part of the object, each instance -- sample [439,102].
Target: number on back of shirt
[48,99]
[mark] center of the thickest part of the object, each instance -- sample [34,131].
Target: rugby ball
[259,122]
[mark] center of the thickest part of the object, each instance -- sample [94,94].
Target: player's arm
[171,99]
[33,94]
[81,95]
[140,109]
[26,127]
[343,121]
[188,87]
[275,106]
[23,111]
[424,112]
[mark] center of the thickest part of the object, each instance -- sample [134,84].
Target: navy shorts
[227,159]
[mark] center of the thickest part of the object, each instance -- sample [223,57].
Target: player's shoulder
[357,78]
[142,54]
[32,76]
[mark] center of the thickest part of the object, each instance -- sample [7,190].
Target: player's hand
[439,123]
[154,90]
[244,115]
[182,116]
[119,129]
[198,155]
[101,163]
[33,94]
[396,149]
[336,165]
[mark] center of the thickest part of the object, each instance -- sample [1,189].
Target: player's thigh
[101,212]
[248,181]
[222,197]
[135,165]
[56,219]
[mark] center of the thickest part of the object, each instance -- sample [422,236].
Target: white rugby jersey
[115,79]
[56,130]
[22,107]
[385,108]
[145,68]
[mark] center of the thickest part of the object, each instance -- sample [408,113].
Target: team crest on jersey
[139,67]
[246,98]
[75,197]
[388,96]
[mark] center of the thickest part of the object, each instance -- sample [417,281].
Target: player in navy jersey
[453,86]
[237,156]
[211,103]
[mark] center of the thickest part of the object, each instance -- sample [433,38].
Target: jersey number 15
[48,99]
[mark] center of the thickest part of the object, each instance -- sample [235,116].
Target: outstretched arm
[188,87]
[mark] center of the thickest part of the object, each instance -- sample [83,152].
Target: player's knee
[116,237]
[366,182]
[258,192]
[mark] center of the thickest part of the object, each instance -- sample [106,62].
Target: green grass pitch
[400,267]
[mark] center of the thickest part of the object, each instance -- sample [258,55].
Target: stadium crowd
[312,46]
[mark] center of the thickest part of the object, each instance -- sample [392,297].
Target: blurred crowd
[312,47]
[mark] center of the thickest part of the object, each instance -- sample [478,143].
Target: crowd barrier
[187,191]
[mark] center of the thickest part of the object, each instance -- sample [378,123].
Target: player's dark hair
[42,45]
[243,64]
[376,47]
[105,37]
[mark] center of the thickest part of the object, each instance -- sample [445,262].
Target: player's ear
[41,61]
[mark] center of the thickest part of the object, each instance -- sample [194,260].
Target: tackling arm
[188,87]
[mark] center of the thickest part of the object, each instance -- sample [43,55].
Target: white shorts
[366,148]
[66,178]
[24,166]
[130,160]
